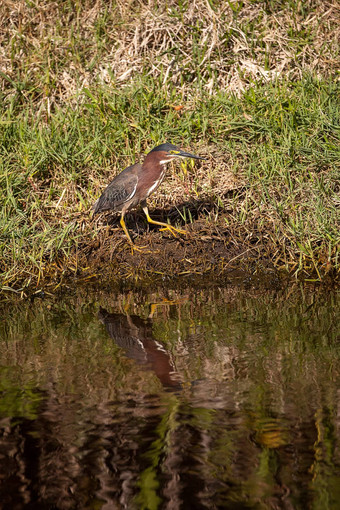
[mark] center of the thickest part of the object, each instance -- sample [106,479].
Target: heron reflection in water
[135,336]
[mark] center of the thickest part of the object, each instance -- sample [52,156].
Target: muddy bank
[206,249]
[209,253]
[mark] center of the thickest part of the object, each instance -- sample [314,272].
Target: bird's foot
[173,230]
[139,249]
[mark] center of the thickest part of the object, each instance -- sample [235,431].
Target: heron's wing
[120,190]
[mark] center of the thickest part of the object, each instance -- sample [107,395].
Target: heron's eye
[174,152]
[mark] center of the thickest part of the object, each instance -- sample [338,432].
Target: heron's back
[121,190]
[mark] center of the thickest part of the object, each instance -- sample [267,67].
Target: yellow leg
[131,243]
[122,222]
[165,225]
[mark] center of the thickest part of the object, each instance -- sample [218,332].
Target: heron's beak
[184,154]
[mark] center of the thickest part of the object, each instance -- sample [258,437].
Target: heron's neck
[155,168]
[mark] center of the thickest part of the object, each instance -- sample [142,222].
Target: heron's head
[167,152]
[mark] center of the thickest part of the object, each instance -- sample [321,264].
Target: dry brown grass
[58,47]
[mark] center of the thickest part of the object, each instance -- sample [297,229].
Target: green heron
[134,184]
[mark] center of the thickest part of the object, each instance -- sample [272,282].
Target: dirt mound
[205,249]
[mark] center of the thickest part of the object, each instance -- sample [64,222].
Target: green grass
[282,139]
[61,141]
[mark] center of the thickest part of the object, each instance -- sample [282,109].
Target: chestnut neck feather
[151,173]
[152,165]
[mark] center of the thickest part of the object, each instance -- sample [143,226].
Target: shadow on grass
[181,214]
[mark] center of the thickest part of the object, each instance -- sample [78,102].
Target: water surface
[223,397]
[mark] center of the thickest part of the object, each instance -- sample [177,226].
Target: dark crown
[166,147]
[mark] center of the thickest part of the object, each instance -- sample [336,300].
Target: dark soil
[206,249]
